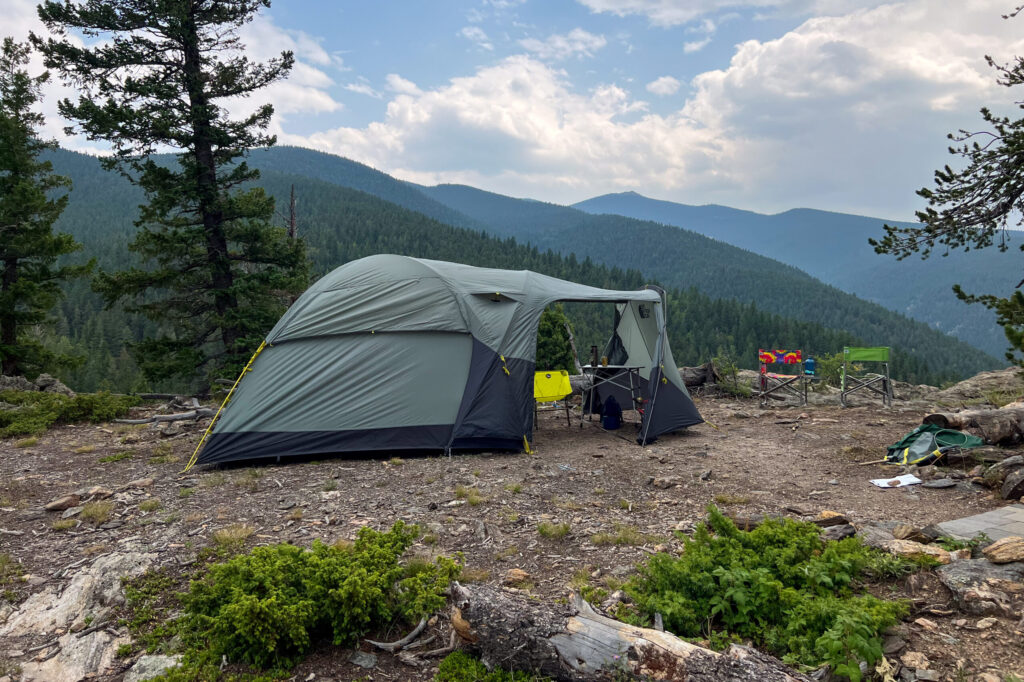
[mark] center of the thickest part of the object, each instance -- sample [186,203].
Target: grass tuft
[553,531]
[98,512]
[117,457]
[26,442]
[150,505]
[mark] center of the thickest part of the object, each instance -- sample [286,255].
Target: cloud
[576,42]
[676,12]
[402,86]
[666,85]
[362,87]
[476,35]
[845,112]
[696,45]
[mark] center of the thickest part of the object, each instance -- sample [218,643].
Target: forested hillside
[833,247]
[342,224]
[678,258]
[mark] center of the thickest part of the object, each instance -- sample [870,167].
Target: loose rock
[910,548]
[150,666]
[1005,550]
[1013,486]
[982,588]
[62,503]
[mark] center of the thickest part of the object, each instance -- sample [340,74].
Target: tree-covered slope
[341,224]
[683,258]
[833,247]
[347,173]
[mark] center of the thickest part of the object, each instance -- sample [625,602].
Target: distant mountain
[833,247]
[341,171]
[341,223]
[683,258]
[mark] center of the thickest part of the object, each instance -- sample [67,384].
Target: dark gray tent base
[231,447]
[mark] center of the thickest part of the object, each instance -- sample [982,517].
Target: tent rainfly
[396,353]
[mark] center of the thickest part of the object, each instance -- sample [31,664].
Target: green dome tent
[396,353]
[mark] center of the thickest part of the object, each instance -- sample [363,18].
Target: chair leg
[568,418]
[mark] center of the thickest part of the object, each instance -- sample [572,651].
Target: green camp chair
[875,382]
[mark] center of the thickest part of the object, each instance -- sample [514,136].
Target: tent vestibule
[397,353]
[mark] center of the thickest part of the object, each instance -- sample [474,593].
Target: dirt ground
[488,506]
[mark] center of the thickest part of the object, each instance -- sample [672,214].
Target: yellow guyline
[247,368]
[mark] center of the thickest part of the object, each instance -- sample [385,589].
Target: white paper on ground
[897,481]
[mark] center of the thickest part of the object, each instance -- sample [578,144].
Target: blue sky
[759,104]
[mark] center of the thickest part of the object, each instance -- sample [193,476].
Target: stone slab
[997,524]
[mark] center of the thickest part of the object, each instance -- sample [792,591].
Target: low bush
[780,586]
[35,411]
[267,608]
[461,667]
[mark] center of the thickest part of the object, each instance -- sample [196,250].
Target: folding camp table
[875,382]
[626,377]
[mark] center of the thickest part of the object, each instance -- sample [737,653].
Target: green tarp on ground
[926,443]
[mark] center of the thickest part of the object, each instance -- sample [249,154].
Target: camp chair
[794,384]
[874,382]
[549,387]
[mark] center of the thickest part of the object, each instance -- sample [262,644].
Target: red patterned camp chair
[794,384]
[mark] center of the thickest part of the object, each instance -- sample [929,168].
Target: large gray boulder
[982,588]
[50,384]
[148,667]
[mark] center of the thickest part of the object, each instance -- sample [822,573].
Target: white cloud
[363,87]
[696,45]
[666,85]
[676,12]
[847,112]
[401,85]
[476,35]
[576,42]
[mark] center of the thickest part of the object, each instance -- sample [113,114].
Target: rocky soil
[58,618]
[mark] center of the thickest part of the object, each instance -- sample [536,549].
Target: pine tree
[972,208]
[30,277]
[214,272]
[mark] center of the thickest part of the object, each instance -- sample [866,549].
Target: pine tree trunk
[221,277]
[8,323]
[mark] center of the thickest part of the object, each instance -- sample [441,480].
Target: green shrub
[37,411]
[780,586]
[266,608]
[461,667]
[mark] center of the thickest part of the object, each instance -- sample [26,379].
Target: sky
[764,105]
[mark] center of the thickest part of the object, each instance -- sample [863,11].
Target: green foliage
[213,274]
[554,352]
[267,607]
[552,531]
[30,202]
[779,586]
[461,667]
[116,457]
[828,369]
[37,411]
[972,208]
[951,544]
[726,365]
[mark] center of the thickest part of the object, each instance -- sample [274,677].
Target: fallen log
[574,642]
[181,416]
[995,426]
[698,376]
